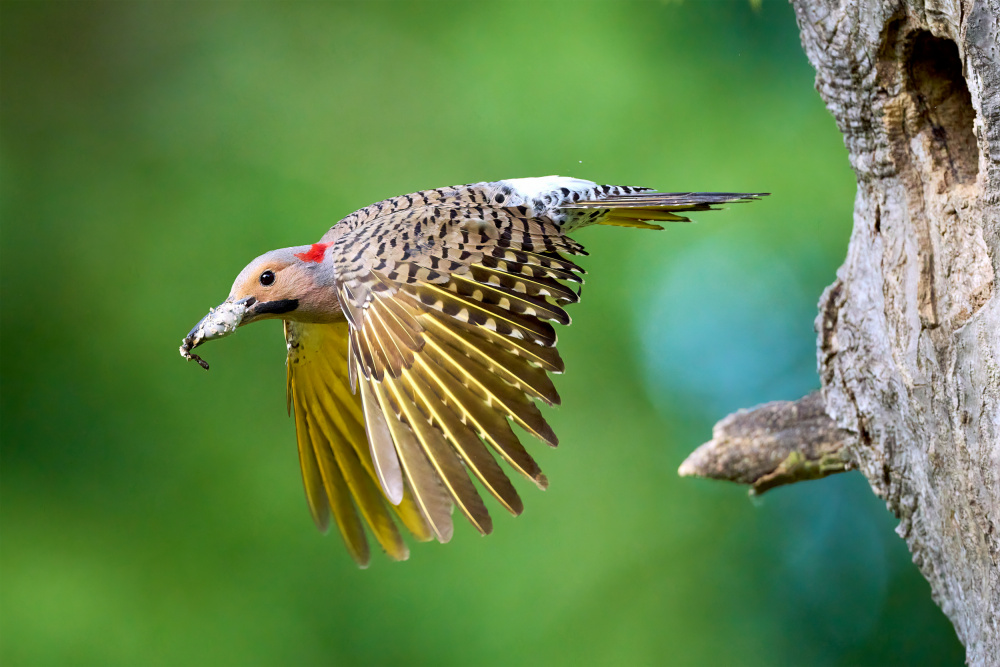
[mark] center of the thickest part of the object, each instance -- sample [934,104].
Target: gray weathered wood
[777,443]
[909,333]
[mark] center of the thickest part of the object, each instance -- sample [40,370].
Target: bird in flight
[418,330]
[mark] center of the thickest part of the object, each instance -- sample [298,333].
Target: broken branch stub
[771,445]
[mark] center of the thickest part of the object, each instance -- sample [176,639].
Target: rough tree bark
[909,333]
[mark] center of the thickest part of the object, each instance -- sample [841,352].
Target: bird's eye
[267,278]
[499,198]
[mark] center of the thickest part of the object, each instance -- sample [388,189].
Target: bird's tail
[640,209]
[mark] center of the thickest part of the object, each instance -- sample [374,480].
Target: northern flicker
[418,329]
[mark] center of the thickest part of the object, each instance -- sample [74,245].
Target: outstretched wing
[336,465]
[449,298]
[451,342]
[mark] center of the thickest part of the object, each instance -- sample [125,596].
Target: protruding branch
[771,445]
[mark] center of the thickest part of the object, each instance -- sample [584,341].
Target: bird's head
[289,284]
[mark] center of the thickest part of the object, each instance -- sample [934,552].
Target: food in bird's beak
[220,321]
[418,331]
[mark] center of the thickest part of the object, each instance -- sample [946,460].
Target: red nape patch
[315,253]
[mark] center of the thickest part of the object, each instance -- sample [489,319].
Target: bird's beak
[220,322]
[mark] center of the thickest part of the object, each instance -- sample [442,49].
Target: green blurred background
[152,514]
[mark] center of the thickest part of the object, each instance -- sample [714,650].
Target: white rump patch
[533,188]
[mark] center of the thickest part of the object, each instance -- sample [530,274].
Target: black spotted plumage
[441,337]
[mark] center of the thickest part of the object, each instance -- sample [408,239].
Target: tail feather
[638,209]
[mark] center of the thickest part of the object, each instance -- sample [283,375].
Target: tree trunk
[909,333]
